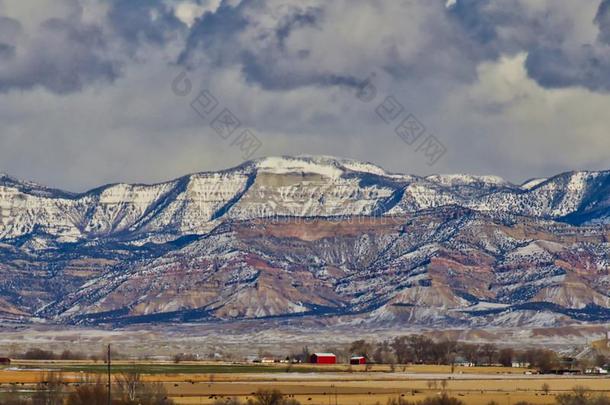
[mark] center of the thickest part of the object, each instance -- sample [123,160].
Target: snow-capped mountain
[306,236]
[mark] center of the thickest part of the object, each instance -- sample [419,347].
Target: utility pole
[109,379]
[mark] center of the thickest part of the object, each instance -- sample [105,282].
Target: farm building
[5,361]
[357,360]
[323,358]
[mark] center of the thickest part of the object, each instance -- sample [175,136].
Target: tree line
[420,349]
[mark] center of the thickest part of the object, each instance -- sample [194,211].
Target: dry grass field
[318,385]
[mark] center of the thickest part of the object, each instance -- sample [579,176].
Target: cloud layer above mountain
[88,88]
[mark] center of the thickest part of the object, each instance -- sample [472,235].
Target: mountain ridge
[310,236]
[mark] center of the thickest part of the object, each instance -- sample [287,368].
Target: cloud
[144,21]
[283,45]
[511,121]
[511,87]
[562,64]
[586,66]
[602,20]
[566,41]
[189,11]
[60,53]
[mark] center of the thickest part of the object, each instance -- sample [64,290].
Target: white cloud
[521,124]
[189,11]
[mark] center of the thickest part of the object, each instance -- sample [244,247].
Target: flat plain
[205,382]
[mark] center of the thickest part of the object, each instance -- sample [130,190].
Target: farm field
[204,382]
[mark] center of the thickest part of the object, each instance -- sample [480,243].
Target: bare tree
[420,347]
[470,352]
[89,393]
[129,384]
[268,397]
[362,348]
[600,360]
[50,390]
[444,384]
[401,350]
[489,351]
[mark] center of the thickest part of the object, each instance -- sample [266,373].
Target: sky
[101,91]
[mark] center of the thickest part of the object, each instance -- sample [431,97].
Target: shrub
[582,396]
[89,394]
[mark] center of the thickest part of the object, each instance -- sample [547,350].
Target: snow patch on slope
[282,165]
[465,179]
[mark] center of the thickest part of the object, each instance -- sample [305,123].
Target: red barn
[323,358]
[357,360]
[4,361]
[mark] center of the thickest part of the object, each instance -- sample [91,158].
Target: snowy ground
[234,341]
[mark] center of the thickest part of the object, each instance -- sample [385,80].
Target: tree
[545,360]
[489,351]
[443,399]
[89,394]
[578,396]
[470,352]
[362,348]
[14,397]
[600,360]
[419,346]
[444,352]
[151,394]
[50,390]
[268,397]
[506,356]
[303,356]
[129,384]
[39,354]
[402,351]
[384,353]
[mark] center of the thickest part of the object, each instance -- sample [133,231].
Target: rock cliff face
[334,238]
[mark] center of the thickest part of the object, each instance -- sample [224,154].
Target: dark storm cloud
[307,17]
[554,61]
[216,40]
[586,66]
[140,21]
[213,38]
[508,27]
[602,20]
[6,51]
[450,41]
[66,53]
[61,56]
[561,65]
[10,29]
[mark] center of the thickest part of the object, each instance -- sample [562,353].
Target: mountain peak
[328,166]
